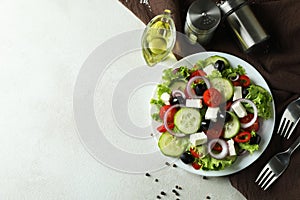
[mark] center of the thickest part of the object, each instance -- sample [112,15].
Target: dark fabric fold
[278,62]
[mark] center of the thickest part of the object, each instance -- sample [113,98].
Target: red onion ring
[242,152]
[166,121]
[234,78]
[246,125]
[224,146]
[191,81]
[176,92]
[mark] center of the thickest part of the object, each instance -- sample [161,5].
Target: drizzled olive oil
[158,38]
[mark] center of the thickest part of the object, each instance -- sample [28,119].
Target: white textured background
[42,47]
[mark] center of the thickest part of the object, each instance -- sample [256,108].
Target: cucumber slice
[178,85]
[187,120]
[224,86]
[213,59]
[172,146]
[232,127]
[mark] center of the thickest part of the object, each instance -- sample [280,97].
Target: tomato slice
[163,129]
[253,127]
[196,165]
[194,153]
[244,81]
[212,97]
[236,83]
[247,118]
[171,113]
[198,72]
[217,147]
[242,137]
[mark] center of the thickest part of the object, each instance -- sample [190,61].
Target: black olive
[219,65]
[187,158]
[199,89]
[205,125]
[177,100]
[228,117]
[255,140]
[244,92]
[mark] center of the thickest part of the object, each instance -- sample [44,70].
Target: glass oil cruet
[158,38]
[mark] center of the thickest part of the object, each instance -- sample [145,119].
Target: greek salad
[210,114]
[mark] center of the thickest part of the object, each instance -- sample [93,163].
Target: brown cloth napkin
[279,64]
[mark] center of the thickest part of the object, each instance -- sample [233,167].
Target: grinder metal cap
[202,19]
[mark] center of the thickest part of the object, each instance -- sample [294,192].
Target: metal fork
[276,166]
[290,119]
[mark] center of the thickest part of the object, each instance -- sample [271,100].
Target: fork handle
[294,146]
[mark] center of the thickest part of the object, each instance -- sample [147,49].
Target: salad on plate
[210,115]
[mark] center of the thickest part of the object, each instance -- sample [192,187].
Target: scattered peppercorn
[158,197]
[174,165]
[175,192]
[156,180]
[168,164]
[163,193]
[178,187]
[207,197]
[147,174]
[204,177]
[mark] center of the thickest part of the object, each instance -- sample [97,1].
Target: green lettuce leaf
[170,76]
[209,163]
[262,99]
[249,147]
[233,72]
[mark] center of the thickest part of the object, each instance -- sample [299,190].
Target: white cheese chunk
[239,109]
[209,69]
[198,138]
[231,149]
[237,93]
[212,113]
[194,103]
[165,97]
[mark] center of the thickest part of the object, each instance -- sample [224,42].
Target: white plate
[265,130]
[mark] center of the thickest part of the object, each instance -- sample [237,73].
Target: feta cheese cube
[194,103]
[209,69]
[198,138]
[239,109]
[237,93]
[212,113]
[231,148]
[165,97]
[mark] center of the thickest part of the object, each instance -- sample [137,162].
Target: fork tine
[263,172]
[270,175]
[270,182]
[281,125]
[264,177]
[285,128]
[292,129]
[289,126]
